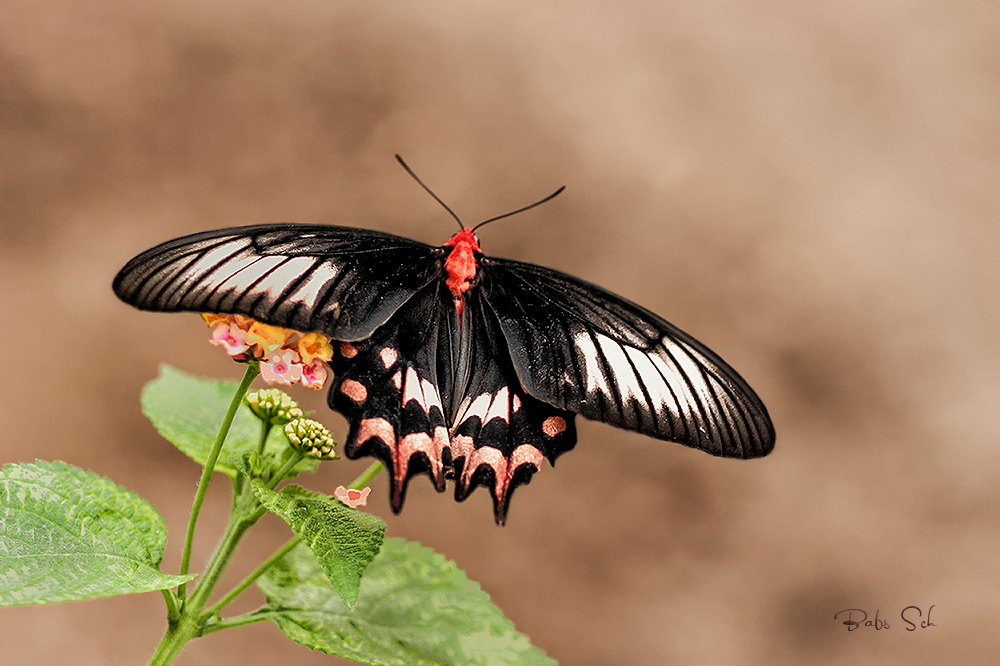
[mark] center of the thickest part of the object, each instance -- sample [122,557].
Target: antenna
[452,213]
[521,210]
[428,190]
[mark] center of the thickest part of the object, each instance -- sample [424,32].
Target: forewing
[340,281]
[584,349]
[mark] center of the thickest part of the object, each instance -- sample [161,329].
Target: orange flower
[266,339]
[314,345]
[212,318]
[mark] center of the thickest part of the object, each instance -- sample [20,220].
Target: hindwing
[425,394]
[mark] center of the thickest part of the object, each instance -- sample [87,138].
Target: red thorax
[461,265]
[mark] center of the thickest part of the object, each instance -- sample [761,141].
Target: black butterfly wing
[581,348]
[340,281]
[500,433]
[425,394]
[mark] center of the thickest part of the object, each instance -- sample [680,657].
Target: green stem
[367,476]
[253,369]
[363,480]
[173,611]
[294,459]
[265,430]
[192,620]
[241,620]
[249,580]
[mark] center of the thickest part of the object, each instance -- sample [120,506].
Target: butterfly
[454,364]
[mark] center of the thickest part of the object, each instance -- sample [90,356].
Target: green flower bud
[310,437]
[273,406]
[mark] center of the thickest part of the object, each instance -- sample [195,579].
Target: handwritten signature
[911,615]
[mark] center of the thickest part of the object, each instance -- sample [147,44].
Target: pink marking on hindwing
[378,428]
[389,356]
[347,350]
[421,442]
[515,403]
[484,455]
[354,390]
[462,446]
[553,426]
[526,454]
[397,379]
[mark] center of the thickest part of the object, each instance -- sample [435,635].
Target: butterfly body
[453,364]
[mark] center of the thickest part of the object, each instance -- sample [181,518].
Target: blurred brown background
[811,188]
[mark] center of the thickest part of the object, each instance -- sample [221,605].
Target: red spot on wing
[553,425]
[354,390]
[348,350]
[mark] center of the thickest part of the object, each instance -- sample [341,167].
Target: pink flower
[284,369]
[232,337]
[314,375]
[352,498]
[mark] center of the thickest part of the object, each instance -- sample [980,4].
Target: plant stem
[192,619]
[367,476]
[358,484]
[294,459]
[251,373]
[173,612]
[249,580]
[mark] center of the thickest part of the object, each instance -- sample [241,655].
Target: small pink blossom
[232,337]
[351,497]
[314,375]
[282,369]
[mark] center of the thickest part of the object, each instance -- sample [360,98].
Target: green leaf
[188,411]
[66,533]
[415,608]
[343,540]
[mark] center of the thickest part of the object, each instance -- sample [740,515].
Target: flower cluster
[310,437]
[273,406]
[286,356]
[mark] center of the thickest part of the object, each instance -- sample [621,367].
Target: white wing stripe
[288,272]
[186,276]
[664,401]
[308,291]
[624,376]
[238,285]
[593,373]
